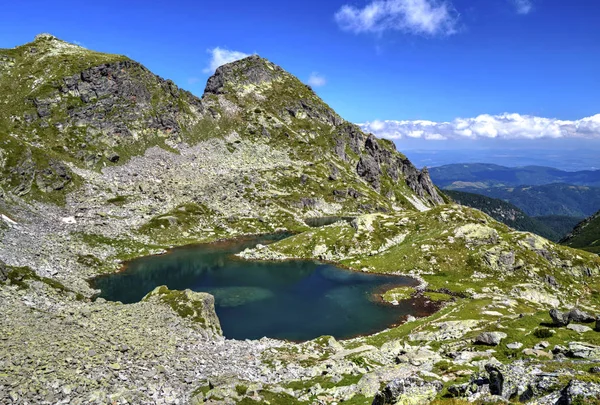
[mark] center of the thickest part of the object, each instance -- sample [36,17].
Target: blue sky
[397,60]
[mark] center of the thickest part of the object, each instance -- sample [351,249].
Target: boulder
[577,315]
[581,350]
[579,328]
[413,390]
[579,392]
[597,327]
[490,338]
[559,318]
[199,307]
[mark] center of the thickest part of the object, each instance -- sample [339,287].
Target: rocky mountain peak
[250,71]
[45,37]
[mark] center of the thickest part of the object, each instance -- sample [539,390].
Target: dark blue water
[295,300]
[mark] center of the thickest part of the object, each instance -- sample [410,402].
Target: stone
[197,306]
[559,318]
[582,350]
[113,157]
[490,338]
[577,315]
[579,328]
[538,353]
[369,169]
[413,390]
[578,392]
[514,346]
[597,327]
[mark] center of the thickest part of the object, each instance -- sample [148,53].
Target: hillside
[506,213]
[586,235]
[103,162]
[484,175]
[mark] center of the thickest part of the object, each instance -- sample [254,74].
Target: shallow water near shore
[294,300]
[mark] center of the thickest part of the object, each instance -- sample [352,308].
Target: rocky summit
[102,162]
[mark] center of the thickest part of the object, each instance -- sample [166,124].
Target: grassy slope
[431,245]
[505,212]
[586,235]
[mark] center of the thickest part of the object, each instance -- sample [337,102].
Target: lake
[295,300]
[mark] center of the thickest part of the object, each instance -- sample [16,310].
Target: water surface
[295,300]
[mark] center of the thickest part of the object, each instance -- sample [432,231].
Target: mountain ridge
[486,175]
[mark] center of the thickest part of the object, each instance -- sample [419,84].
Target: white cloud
[504,126]
[221,56]
[429,17]
[316,80]
[523,6]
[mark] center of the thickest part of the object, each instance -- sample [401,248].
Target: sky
[430,74]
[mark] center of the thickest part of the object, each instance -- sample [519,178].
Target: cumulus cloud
[316,80]
[221,56]
[428,17]
[523,6]
[504,126]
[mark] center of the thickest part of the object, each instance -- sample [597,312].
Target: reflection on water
[296,299]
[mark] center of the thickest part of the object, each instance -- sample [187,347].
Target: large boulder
[577,315]
[579,392]
[198,307]
[410,390]
[490,338]
[574,315]
[559,318]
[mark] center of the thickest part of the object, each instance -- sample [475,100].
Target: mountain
[586,235]
[507,213]
[103,162]
[549,199]
[484,175]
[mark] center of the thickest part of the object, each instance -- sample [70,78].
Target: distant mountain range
[484,175]
[552,227]
[539,199]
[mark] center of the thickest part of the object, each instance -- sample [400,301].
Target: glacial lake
[295,300]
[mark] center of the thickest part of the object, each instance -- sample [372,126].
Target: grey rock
[579,328]
[369,169]
[578,392]
[577,315]
[559,318]
[490,338]
[411,388]
[515,345]
[251,70]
